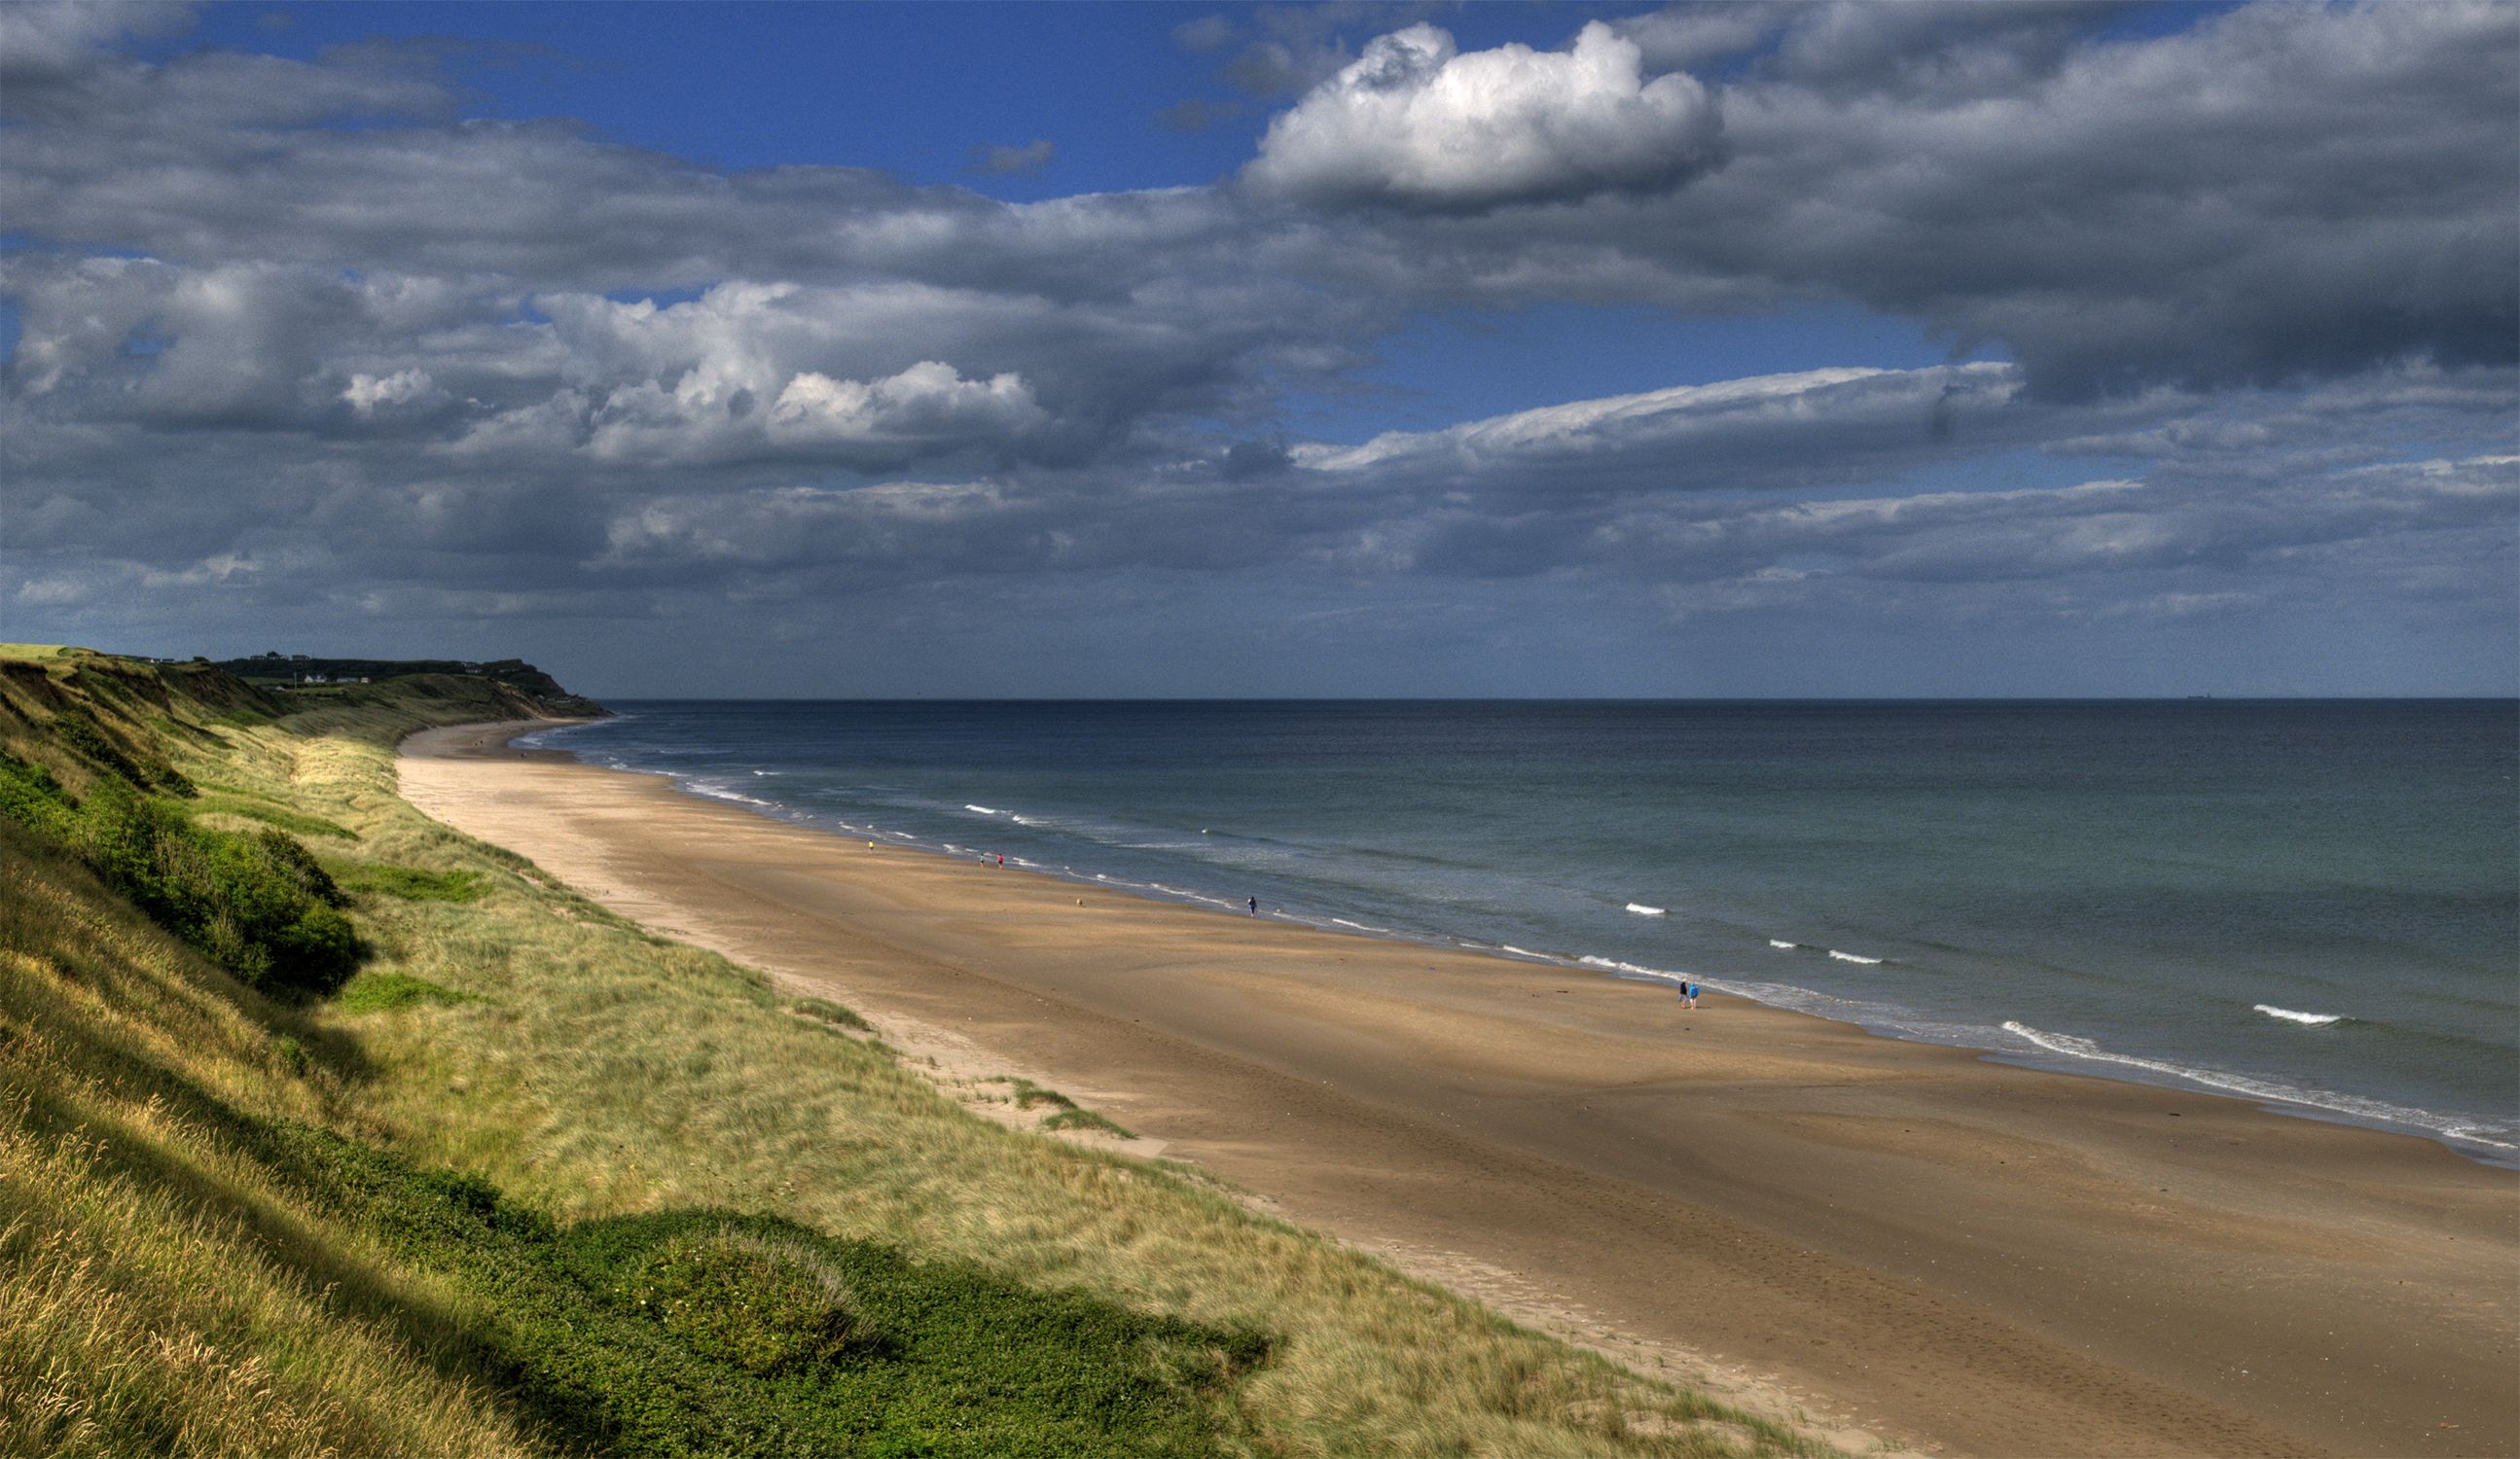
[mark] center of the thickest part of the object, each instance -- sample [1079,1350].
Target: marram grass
[161,1289]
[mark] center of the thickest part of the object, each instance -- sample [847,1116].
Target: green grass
[1030,1095]
[410,883]
[1064,1113]
[294,821]
[378,992]
[1073,1118]
[825,1011]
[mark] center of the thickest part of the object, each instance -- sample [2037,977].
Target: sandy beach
[1904,1240]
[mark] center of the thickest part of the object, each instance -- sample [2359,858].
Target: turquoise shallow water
[2312,903]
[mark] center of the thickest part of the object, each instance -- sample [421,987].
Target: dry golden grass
[157,1295]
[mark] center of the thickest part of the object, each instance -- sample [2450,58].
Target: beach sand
[1903,1240]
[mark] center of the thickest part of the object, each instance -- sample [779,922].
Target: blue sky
[1727,348]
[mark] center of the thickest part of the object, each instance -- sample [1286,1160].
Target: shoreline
[1929,1244]
[2035,1048]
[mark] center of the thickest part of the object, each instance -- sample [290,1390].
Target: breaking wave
[2348,1105]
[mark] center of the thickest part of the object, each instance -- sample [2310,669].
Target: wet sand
[1910,1240]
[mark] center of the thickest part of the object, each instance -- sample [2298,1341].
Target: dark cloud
[2281,192]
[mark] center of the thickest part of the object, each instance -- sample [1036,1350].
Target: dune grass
[590,1076]
[410,883]
[260,810]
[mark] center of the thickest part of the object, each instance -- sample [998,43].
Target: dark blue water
[2311,902]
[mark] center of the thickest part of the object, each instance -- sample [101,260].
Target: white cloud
[1416,124]
[930,398]
[1761,413]
[404,388]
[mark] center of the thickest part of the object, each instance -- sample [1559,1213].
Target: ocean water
[2315,903]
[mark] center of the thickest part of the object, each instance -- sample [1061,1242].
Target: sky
[1727,349]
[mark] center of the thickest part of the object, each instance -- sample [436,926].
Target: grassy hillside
[519,1176]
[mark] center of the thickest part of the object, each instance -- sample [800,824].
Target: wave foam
[983,810]
[1782,944]
[717,792]
[2315,1020]
[1643,911]
[2258,1088]
[1614,965]
[1853,957]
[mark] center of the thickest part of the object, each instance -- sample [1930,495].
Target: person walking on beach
[1688,995]
[1256,907]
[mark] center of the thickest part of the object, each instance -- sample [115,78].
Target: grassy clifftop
[520,1177]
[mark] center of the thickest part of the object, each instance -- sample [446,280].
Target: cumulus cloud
[927,400]
[371,395]
[927,410]
[2276,194]
[1414,123]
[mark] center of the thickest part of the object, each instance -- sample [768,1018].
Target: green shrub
[260,905]
[30,796]
[83,736]
[703,1332]
[740,1299]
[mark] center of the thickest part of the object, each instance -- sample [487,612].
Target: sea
[2310,904]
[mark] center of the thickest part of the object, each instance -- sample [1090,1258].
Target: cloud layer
[302,343]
